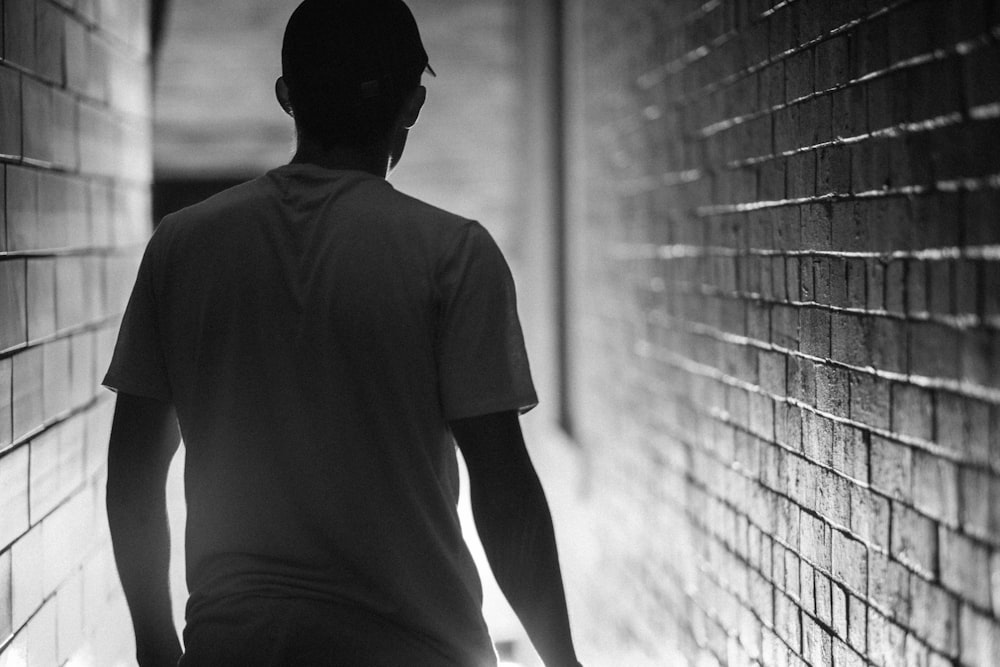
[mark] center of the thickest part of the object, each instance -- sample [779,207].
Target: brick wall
[74,213]
[789,329]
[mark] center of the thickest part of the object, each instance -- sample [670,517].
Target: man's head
[351,72]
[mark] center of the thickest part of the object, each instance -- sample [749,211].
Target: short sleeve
[482,363]
[138,366]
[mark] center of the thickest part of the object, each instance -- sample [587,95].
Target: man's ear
[410,112]
[281,92]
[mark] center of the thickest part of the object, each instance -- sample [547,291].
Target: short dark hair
[349,66]
[329,118]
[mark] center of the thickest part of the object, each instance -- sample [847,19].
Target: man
[322,342]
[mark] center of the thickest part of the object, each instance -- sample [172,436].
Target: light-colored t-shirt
[316,330]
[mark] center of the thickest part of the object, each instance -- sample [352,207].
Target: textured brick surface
[789,238]
[61,229]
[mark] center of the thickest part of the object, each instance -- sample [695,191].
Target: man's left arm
[144,438]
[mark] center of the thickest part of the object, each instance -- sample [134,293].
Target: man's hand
[144,438]
[515,527]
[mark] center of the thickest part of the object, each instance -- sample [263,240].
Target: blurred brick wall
[74,214]
[789,328]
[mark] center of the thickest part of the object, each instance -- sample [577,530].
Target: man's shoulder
[411,208]
[238,199]
[418,219]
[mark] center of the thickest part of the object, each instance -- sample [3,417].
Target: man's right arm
[515,527]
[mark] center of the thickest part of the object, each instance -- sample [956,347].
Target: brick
[22,208]
[832,390]
[833,499]
[850,452]
[874,285]
[817,644]
[807,587]
[845,656]
[891,229]
[824,598]
[977,217]
[839,625]
[785,327]
[64,135]
[979,75]
[27,383]
[916,652]
[799,75]
[76,55]
[889,587]
[965,566]
[815,332]
[26,576]
[72,290]
[19,32]
[3,208]
[977,489]
[980,638]
[38,120]
[771,372]
[833,176]
[56,377]
[13,311]
[41,298]
[941,287]
[99,59]
[96,435]
[6,622]
[787,522]
[892,469]
[802,380]
[771,180]
[10,112]
[935,615]
[788,621]
[817,438]
[762,416]
[857,624]
[935,487]
[815,537]
[832,64]
[963,426]
[13,496]
[934,349]
[6,403]
[817,230]
[914,539]
[913,411]
[44,484]
[49,36]
[801,175]
[850,563]
[889,347]
[83,382]
[870,516]
[870,166]
[870,402]
[54,218]
[885,641]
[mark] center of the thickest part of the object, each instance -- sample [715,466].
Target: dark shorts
[273,632]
